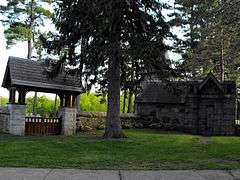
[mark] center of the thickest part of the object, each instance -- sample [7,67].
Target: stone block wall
[190,119]
[4,120]
[88,121]
[161,116]
[230,115]
[16,119]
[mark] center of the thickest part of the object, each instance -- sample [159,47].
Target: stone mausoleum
[206,107]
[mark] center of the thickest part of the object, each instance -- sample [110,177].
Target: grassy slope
[143,149]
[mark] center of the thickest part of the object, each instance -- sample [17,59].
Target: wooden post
[35,104]
[21,97]
[67,100]
[55,106]
[12,95]
[61,100]
[74,98]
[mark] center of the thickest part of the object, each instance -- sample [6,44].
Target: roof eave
[46,86]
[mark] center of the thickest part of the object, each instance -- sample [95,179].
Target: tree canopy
[102,37]
[211,43]
[22,20]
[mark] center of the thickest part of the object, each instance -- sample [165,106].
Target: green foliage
[211,37]
[17,32]
[22,20]
[3,101]
[45,106]
[143,150]
[90,102]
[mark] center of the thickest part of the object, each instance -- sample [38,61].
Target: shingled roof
[175,92]
[32,75]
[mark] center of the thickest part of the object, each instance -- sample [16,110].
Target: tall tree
[22,19]
[190,17]
[104,32]
[217,24]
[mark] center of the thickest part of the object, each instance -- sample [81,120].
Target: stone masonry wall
[228,123]
[4,120]
[87,121]
[161,116]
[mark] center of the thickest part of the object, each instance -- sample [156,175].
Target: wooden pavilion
[23,76]
[26,75]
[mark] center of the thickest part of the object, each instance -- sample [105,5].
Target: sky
[20,50]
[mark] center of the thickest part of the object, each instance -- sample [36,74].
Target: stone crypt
[206,107]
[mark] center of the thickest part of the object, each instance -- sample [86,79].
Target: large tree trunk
[113,127]
[130,101]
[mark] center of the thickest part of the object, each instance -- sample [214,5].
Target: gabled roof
[32,75]
[209,77]
[158,92]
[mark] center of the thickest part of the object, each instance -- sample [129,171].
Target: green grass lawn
[144,149]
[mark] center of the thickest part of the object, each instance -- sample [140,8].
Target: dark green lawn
[144,149]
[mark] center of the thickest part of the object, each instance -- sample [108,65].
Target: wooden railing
[42,126]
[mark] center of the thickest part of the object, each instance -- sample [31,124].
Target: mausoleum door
[209,125]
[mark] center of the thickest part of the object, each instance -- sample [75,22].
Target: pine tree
[22,20]
[101,35]
[216,24]
[191,17]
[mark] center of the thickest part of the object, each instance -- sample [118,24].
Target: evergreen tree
[100,36]
[215,27]
[22,19]
[191,17]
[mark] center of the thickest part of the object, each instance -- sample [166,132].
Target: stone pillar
[77,102]
[68,116]
[16,123]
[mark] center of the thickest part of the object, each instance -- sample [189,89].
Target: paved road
[74,174]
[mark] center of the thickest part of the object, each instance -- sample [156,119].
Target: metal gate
[42,126]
